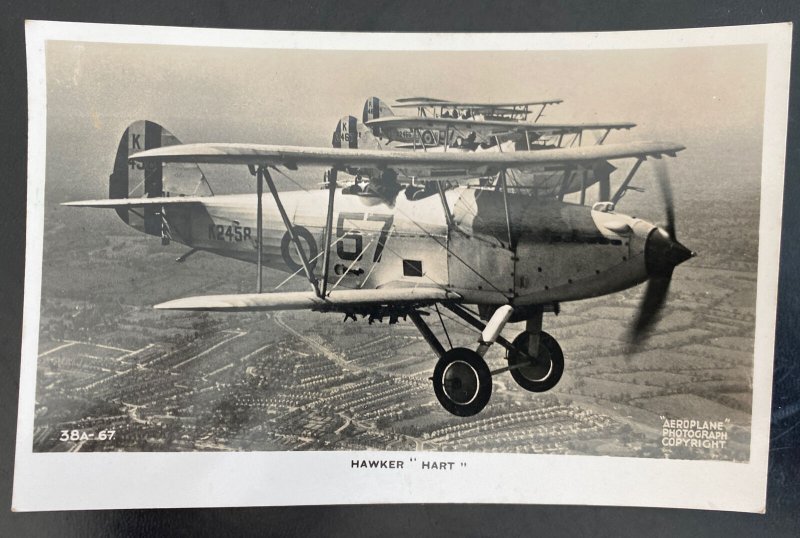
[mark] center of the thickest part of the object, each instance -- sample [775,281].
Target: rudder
[155,179]
[375,108]
[352,134]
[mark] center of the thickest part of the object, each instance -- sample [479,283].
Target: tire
[462,382]
[546,372]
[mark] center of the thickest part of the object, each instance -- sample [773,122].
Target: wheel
[462,382]
[544,372]
[427,138]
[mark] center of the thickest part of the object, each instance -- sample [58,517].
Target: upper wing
[414,102]
[423,100]
[307,300]
[138,202]
[412,164]
[499,126]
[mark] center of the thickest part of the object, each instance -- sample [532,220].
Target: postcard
[284,268]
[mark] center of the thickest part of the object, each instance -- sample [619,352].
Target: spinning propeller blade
[662,177]
[655,296]
[663,253]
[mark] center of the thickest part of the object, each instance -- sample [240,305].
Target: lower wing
[307,300]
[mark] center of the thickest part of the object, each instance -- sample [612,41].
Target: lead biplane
[517,111]
[489,255]
[470,132]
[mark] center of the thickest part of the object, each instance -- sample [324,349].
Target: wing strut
[326,260]
[421,141]
[259,173]
[584,180]
[539,115]
[504,188]
[624,186]
[289,228]
[447,214]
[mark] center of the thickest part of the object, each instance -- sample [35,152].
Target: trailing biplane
[444,108]
[488,255]
[424,132]
[449,135]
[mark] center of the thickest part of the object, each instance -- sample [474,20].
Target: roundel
[289,253]
[427,138]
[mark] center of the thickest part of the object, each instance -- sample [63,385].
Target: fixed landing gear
[462,382]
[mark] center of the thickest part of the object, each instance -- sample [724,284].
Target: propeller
[663,253]
[662,178]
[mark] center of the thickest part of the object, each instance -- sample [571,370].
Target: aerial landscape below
[115,374]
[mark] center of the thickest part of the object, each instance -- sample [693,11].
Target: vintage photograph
[549,252]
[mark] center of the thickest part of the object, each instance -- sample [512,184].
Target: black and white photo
[493,259]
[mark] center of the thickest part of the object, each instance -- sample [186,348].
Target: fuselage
[547,251]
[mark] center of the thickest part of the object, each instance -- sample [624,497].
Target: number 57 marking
[387,225]
[341,249]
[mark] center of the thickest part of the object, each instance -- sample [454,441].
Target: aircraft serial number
[236,234]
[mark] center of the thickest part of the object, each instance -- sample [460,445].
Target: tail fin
[374,108]
[136,180]
[351,133]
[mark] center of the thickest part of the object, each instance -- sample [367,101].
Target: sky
[710,99]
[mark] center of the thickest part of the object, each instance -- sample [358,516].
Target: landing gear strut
[462,380]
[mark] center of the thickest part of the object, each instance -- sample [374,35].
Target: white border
[148,480]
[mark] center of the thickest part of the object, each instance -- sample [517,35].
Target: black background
[783,504]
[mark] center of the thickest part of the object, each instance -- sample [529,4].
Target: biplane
[444,108]
[472,131]
[486,253]
[426,133]
[449,135]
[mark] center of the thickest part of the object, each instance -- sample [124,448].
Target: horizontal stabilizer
[307,300]
[137,202]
